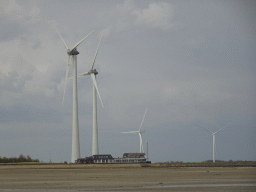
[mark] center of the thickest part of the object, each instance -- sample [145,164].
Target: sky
[191,63]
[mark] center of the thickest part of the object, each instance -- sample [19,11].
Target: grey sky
[189,62]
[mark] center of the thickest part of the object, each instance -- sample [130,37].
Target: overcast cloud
[189,62]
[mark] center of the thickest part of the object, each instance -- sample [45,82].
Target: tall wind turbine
[141,146]
[213,139]
[93,73]
[72,55]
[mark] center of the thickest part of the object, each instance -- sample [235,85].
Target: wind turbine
[72,54]
[213,139]
[141,146]
[93,73]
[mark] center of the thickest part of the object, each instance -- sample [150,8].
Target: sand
[21,178]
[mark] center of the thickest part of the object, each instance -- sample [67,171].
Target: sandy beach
[63,177]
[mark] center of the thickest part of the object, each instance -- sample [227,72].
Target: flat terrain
[61,177]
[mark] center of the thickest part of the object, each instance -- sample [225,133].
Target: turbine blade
[67,69]
[224,127]
[96,54]
[80,41]
[83,74]
[95,85]
[143,119]
[60,35]
[204,128]
[131,132]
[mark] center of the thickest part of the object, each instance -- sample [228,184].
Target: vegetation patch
[20,159]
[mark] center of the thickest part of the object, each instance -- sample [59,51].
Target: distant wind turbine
[213,138]
[72,53]
[93,73]
[141,146]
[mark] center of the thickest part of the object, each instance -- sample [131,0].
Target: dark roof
[133,155]
[103,156]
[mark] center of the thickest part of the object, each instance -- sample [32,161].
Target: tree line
[19,159]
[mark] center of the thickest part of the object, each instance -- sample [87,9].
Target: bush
[20,159]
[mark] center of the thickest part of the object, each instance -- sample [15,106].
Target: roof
[102,156]
[133,155]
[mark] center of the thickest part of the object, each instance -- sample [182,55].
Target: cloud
[126,7]
[118,19]
[105,32]
[13,82]
[16,18]
[158,15]
[15,10]
[24,113]
[182,77]
[127,15]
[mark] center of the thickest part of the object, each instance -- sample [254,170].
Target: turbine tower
[93,73]
[72,55]
[213,140]
[141,146]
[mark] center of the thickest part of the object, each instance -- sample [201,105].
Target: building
[107,158]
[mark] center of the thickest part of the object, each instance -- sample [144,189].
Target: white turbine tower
[141,146]
[213,139]
[72,54]
[93,73]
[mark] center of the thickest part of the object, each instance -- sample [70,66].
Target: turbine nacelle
[93,71]
[72,52]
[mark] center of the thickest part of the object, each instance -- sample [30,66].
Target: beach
[70,177]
